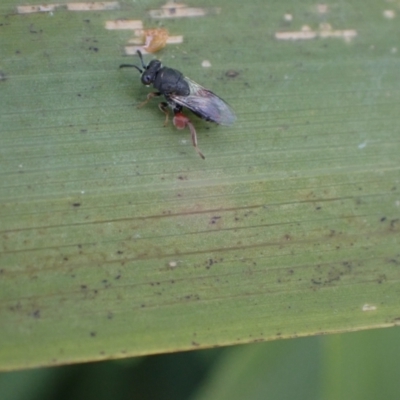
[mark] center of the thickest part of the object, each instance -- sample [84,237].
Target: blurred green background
[362,365]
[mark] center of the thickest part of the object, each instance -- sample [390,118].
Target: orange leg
[181,122]
[164,108]
[149,97]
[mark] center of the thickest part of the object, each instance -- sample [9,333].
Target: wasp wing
[205,104]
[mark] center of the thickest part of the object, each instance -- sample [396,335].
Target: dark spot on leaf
[106,283]
[381,278]
[93,334]
[316,282]
[32,29]
[16,307]
[76,204]
[210,263]
[231,73]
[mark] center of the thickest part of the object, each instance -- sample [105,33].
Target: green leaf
[118,240]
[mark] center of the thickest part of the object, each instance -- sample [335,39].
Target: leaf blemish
[215,219]
[368,307]
[231,73]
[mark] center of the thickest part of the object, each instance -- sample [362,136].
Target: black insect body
[180,91]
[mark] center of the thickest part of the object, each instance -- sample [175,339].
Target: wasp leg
[194,139]
[149,97]
[164,108]
[181,122]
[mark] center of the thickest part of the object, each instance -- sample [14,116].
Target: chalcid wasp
[180,91]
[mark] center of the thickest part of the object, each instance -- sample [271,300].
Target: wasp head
[149,72]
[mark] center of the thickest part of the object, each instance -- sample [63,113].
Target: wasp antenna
[131,66]
[141,59]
